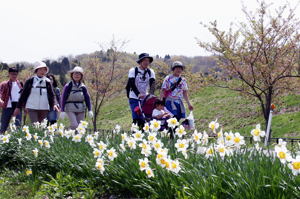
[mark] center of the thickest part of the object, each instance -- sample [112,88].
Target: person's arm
[152,86]
[24,94]
[1,94]
[186,97]
[87,98]
[64,97]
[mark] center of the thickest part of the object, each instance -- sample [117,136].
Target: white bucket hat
[77,69]
[177,64]
[40,64]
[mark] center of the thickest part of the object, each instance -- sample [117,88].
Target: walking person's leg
[5,118]
[19,119]
[33,115]
[42,114]
[73,120]
[79,117]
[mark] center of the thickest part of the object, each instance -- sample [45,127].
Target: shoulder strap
[136,71]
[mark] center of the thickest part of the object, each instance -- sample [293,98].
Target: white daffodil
[146,148]
[164,133]
[257,133]
[77,138]
[100,165]
[36,125]
[111,154]
[117,129]
[96,135]
[209,152]
[294,165]
[149,173]
[182,145]
[228,138]
[28,136]
[204,140]
[89,139]
[281,143]
[5,138]
[19,141]
[25,129]
[180,131]
[35,137]
[175,166]
[46,144]
[221,149]
[138,136]
[44,123]
[81,130]
[97,153]
[155,125]
[157,145]
[134,127]
[238,140]
[172,123]
[197,137]
[146,128]
[131,143]
[41,143]
[122,147]
[84,124]
[124,137]
[144,164]
[102,146]
[283,154]
[152,137]
[35,152]
[214,125]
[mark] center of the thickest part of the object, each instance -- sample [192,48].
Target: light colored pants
[37,115]
[75,119]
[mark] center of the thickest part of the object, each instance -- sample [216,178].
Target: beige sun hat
[40,64]
[77,69]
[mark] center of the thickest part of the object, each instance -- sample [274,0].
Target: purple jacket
[66,92]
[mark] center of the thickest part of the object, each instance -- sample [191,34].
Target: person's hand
[1,102]
[141,96]
[91,114]
[16,112]
[191,107]
[56,108]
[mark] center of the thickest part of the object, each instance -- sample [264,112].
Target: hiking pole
[267,138]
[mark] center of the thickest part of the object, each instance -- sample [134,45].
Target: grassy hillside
[233,111]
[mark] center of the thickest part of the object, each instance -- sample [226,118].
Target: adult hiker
[9,97]
[174,90]
[75,98]
[37,96]
[141,79]
[53,114]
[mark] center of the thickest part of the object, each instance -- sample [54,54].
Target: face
[13,76]
[76,76]
[177,71]
[41,71]
[160,107]
[145,63]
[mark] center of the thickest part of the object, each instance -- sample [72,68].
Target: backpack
[136,71]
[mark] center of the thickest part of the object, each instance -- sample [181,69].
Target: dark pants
[136,118]
[7,114]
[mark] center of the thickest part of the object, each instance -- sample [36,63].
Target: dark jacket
[27,90]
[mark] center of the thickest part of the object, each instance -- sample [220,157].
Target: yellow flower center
[149,172]
[159,156]
[282,155]
[4,139]
[296,165]
[196,137]
[221,150]
[181,145]
[174,165]
[155,124]
[28,172]
[143,164]
[256,132]
[110,153]
[212,126]
[210,151]
[157,145]
[151,138]
[138,135]
[237,140]
[228,137]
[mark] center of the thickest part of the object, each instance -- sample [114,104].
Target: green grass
[233,111]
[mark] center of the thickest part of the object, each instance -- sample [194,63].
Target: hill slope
[233,111]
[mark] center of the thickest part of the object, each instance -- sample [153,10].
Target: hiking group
[40,97]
